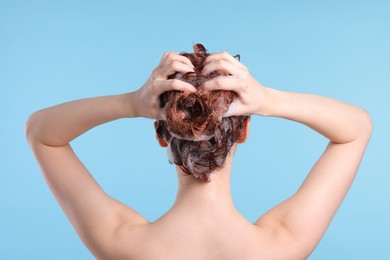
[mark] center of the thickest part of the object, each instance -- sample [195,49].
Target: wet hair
[198,135]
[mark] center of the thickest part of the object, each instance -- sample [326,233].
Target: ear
[160,140]
[246,131]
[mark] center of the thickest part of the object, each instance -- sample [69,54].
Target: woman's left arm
[97,218]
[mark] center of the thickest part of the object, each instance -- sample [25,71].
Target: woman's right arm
[99,220]
[300,222]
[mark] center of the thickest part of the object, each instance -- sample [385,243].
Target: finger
[174,66]
[223,83]
[175,84]
[174,56]
[225,56]
[222,65]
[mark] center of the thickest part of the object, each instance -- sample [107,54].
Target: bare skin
[203,222]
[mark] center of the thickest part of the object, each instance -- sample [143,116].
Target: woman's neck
[213,196]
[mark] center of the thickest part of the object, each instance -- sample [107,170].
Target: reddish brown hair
[197,134]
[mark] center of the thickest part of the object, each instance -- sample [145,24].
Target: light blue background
[56,51]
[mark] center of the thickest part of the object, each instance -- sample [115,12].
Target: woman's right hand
[252,95]
[147,98]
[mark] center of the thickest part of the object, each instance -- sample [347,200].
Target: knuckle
[245,73]
[175,64]
[170,55]
[219,82]
[242,85]
[153,85]
[205,85]
[222,63]
[175,83]
[213,61]
[226,54]
[155,72]
[209,58]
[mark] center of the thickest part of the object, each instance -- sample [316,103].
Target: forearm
[338,121]
[60,124]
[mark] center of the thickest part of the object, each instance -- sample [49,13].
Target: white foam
[170,154]
[203,137]
[179,75]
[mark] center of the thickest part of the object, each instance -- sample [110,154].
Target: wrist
[128,105]
[271,102]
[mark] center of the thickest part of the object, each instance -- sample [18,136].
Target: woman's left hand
[146,99]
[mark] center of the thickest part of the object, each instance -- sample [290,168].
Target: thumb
[233,109]
[162,115]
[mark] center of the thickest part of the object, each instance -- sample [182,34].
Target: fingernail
[190,88]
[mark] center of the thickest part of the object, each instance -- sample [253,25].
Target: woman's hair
[199,138]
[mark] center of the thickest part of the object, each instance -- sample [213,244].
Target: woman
[201,124]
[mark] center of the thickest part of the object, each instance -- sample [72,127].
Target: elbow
[30,128]
[367,124]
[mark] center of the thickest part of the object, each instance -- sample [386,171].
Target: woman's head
[199,138]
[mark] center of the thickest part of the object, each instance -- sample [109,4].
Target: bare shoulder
[187,239]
